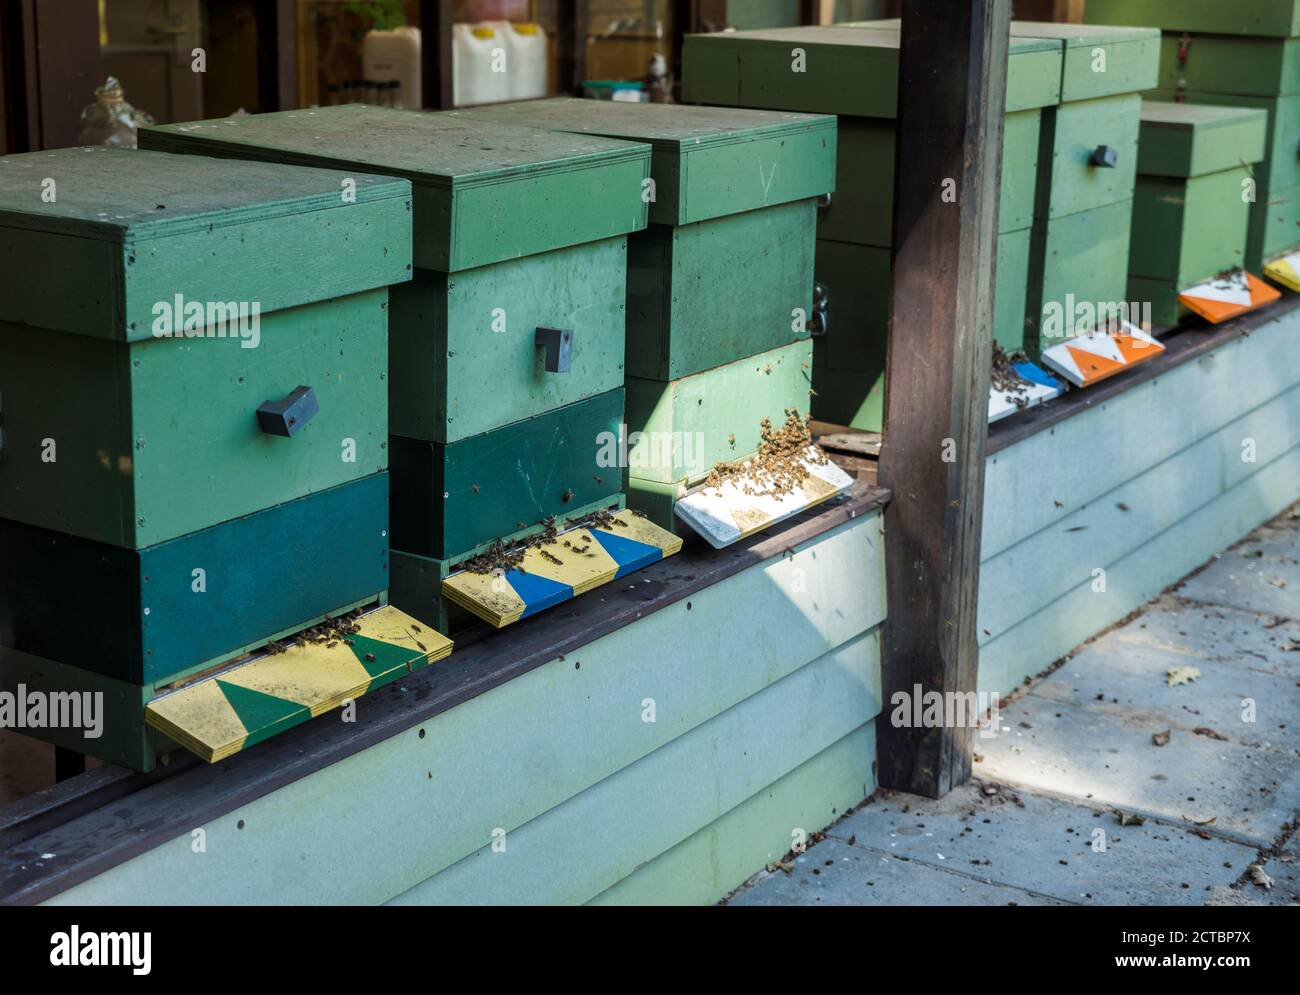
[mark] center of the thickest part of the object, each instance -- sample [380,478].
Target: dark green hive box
[728,254]
[846,69]
[1247,65]
[1276,18]
[1190,217]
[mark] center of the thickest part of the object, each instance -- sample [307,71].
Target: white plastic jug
[525,58]
[479,65]
[394,55]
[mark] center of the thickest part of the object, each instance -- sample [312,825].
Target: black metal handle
[824,201]
[1104,157]
[558,343]
[288,415]
[819,323]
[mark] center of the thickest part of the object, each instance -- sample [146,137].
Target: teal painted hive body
[1243,54]
[516,230]
[728,256]
[153,521]
[1192,204]
[852,70]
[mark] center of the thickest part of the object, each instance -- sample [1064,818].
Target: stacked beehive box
[1243,53]
[194,415]
[507,347]
[720,284]
[852,70]
[1087,165]
[1191,208]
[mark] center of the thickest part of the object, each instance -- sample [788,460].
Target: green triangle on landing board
[388,660]
[263,715]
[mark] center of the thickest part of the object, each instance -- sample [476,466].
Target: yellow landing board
[555,571]
[1285,270]
[230,711]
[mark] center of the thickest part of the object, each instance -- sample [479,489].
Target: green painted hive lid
[1194,139]
[843,69]
[1275,18]
[483,191]
[1099,60]
[92,239]
[708,162]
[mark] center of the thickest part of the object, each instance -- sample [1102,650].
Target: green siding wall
[1172,490]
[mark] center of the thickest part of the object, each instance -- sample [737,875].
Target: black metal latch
[824,201]
[1104,157]
[558,343]
[819,323]
[287,415]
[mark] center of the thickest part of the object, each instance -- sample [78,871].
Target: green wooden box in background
[851,70]
[516,230]
[1191,208]
[1244,54]
[153,522]
[1087,166]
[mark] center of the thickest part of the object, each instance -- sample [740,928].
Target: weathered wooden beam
[571,23]
[435,54]
[951,92]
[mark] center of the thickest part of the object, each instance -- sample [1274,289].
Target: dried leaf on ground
[1161,738]
[1260,878]
[1175,676]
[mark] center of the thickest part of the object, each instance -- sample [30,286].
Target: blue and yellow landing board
[223,714]
[574,562]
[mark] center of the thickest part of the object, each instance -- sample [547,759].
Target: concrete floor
[1073,802]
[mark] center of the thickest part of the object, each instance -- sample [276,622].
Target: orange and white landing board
[1228,296]
[1092,357]
[726,514]
[1285,270]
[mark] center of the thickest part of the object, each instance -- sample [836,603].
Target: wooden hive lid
[1179,139]
[849,68]
[93,237]
[484,191]
[708,161]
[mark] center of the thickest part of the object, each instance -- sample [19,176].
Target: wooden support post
[435,54]
[951,95]
[571,23]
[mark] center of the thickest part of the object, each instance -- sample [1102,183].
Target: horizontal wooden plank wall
[1169,490]
[772,669]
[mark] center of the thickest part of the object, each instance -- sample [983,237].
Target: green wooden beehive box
[679,430]
[517,307]
[162,309]
[727,258]
[1277,18]
[1246,65]
[1191,208]
[808,69]
[1273,229]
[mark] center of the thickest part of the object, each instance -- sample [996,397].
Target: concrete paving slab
[1261,575]
[1046,845]
[1249,706]
[1217,632]
[1284,869]
[1109,759]
[834,873]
